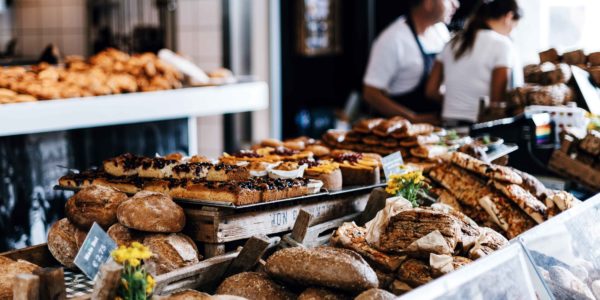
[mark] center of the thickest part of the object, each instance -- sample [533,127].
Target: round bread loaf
[324,266]
[124,236]
[321,294]
[151,212]
[253,285]
[94,204]
[64,240]
[375,294]
[195,295]
[170,252]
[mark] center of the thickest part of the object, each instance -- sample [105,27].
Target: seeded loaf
[252,285]
[324,266]
[170,252]
[151,212]
[64,240]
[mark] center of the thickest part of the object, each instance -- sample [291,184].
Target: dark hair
[484,11]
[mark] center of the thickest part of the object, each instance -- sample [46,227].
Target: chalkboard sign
[30,166]
[94,252]
[392,164]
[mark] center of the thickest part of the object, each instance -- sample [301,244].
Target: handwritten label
[392,164]
[94,252]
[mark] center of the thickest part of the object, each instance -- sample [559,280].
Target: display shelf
[74,113]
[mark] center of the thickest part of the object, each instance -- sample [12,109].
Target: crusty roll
[253,285]
[375,294]
[151,212]
[321,294]
[124,236]
[94,204]
[170,252]
[324,266]
[64,240]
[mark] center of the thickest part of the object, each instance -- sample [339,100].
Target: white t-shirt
[469,79]
[396,64]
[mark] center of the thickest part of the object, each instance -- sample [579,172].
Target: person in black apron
[390,84]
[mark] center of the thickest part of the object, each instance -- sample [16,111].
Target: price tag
[392,164]
[95,251]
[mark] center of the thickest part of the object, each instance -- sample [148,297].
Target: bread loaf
[64,240]
[415,272]
[124,236]
[576,57]
[325,266]
[253,285]
[170,252]
[94,204]
[9,269]
[151,212]
[550,55]
[321,294]
[375,294]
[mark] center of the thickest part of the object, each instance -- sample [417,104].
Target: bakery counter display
[248,177]
[577,159]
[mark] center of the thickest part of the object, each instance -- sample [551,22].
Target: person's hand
[432,119]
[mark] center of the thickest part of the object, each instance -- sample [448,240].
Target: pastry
[491,171]
[326,171]
[528,203]
[366,126]
[429,151]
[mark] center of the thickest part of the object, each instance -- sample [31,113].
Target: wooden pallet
[215,227]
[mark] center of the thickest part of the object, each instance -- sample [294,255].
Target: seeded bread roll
[321,294]
[151,212]
[324,266]
[124,236]
[94,204]
[253,285]
[170,252]
[64,240]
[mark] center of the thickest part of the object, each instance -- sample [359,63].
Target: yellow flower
[134,262]
[149,284]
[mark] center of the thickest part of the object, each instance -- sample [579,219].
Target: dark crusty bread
[170,252]
[186,295]
[375,294]
[321,294]
[151,212]
[94,204]
[415,272]
[8,270]
[125,236]
[64,240]
[253,285]
[324,266]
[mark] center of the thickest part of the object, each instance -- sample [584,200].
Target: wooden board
[212,225]
[585,174]
[38,254]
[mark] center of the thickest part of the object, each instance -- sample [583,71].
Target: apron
[416,100]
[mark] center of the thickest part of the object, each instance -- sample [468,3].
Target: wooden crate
[38,254]
[216,226]
[583,173]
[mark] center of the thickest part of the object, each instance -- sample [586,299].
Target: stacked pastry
[386,136]
[229,180]
[108,72]
[504,198]
[420,244]
[150,218]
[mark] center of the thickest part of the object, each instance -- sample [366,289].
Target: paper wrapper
[440,264]
[434,242]
[377,226]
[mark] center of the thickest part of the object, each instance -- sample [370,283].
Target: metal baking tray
[343,191]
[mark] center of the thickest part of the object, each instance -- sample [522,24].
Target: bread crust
[253,285]
[151,212]
[170,252]
[64,241]
[94,204]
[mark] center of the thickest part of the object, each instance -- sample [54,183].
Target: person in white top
[479,62]
[401,59]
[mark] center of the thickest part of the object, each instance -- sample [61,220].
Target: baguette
[528,203]
[472,164]
[324,266]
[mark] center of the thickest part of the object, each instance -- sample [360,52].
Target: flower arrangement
[136,283]
[406,185]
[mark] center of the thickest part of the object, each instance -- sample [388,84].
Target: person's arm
[434,84]
[499,83]
[380,101]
